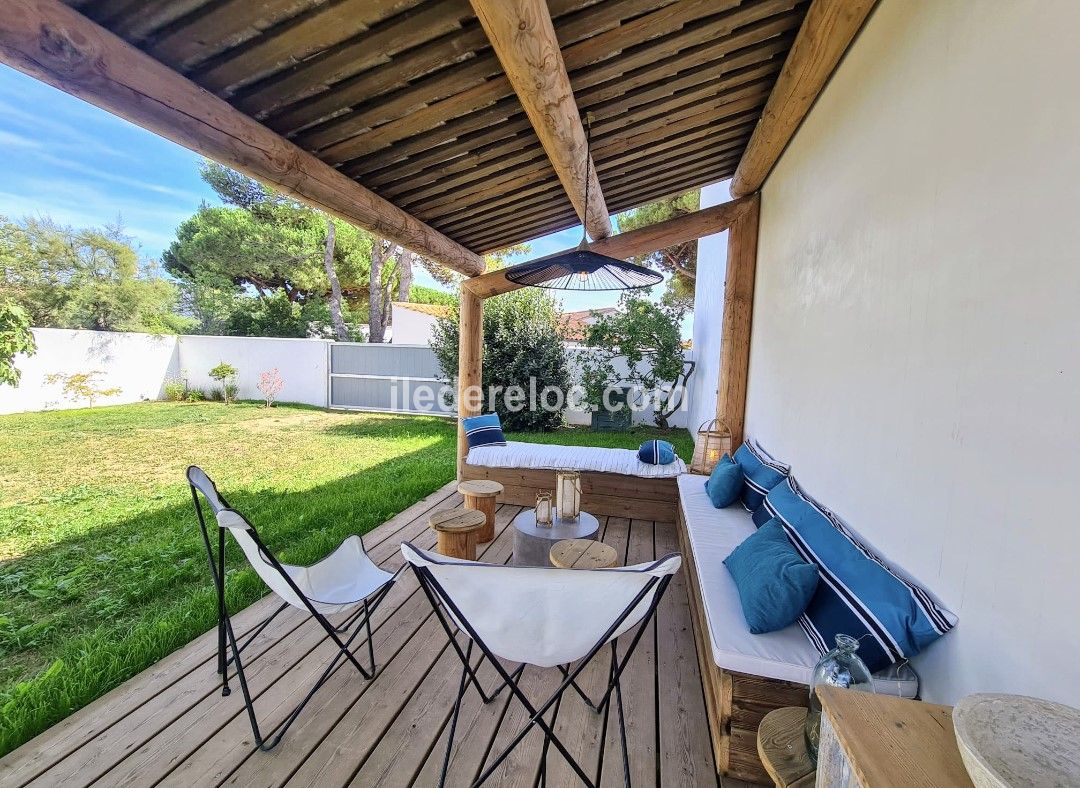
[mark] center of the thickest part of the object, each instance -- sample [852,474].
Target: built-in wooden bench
[745,676]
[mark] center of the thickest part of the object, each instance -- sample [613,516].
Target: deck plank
[170,726]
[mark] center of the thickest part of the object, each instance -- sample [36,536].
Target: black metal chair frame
[441,601]
[227,637]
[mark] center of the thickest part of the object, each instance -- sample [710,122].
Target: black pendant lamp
[580,268]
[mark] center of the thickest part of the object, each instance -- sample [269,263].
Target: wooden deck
[171,726]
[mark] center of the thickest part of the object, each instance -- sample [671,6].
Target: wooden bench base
[736,703]
[610,494]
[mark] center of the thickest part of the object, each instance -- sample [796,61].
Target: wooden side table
[583,554]
[457,530]
[480,494]
[781,745]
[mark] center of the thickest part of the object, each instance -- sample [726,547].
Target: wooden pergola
[452,127]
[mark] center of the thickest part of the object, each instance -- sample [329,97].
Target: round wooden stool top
[456,520]
[781,745]
[480,494]
[456,531]
[583,554]
[480,488]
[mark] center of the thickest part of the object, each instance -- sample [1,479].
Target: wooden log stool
[457,530]
[583,554]
[480,495]
[782,747]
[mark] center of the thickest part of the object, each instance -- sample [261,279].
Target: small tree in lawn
[648,337]
[225,374]
[270,383]
[82,385]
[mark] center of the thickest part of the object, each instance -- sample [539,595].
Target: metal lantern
[543,509]
[713,442]
[568,495]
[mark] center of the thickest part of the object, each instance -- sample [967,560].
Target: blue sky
[85,167]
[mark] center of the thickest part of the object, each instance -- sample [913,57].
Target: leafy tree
[15,338]
[83,385]
[418,294]
[679,260]
[91,278]
[521,343]
[648,337]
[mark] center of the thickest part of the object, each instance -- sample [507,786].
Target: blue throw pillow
[725,483]
[483,430]
[760,472]
[656,453]
[859,595]
[775,584]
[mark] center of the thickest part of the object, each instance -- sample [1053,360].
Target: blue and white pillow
[483,430]
[858,594]
[656,453]
[760,473]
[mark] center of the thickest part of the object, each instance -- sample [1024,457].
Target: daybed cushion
[714,533]
[516,454]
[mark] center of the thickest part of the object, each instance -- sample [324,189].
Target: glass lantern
[568,495]
[841,667]
[543,509]
[713,442]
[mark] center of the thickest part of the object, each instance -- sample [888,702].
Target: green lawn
[102,571]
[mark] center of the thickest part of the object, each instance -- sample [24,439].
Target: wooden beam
[636,242]
[59,46]
[523,37]
[737,320]
[826,32]
[470,366]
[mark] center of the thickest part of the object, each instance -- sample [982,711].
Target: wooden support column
[738,316]
[470,365]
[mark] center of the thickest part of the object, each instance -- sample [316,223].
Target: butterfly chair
[521,615]
[345,582]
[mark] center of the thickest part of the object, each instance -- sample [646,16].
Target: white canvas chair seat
[337,583]
[538,615]
[550,618]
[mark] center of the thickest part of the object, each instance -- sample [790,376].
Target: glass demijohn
[841,667]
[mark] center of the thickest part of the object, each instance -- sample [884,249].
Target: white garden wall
[916,318]
[137,364]
[708,314]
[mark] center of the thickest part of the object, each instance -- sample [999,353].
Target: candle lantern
[543,509]
[713,442]
[568,495]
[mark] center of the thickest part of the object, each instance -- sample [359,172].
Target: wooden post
[470,366]
[738,315]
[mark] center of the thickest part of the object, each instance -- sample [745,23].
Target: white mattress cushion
[714,533]
[548,456]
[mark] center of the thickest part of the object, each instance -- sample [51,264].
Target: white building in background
[413,323]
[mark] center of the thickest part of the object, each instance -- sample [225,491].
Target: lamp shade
[582,269]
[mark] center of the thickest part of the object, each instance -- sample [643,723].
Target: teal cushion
[775,584]
[656,453]
[725,483]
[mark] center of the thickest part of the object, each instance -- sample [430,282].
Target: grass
[102,571]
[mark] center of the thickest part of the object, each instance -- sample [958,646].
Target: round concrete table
[533,543]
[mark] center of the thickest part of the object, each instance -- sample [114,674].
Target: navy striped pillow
[483,430]
[858,594]
[760,474]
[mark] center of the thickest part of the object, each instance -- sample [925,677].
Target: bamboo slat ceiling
[407,97]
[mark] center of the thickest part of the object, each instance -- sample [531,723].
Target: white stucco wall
[137,364]
[708,315]
[411,327]
[300,362]
[916,318]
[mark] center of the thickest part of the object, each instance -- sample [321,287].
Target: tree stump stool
[583,554]
[480,495]
[782,748]
[456,531]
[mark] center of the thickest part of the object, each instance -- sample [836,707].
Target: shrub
[270,383]
[226,375]
[216,394]
[195,395]
[521,342]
